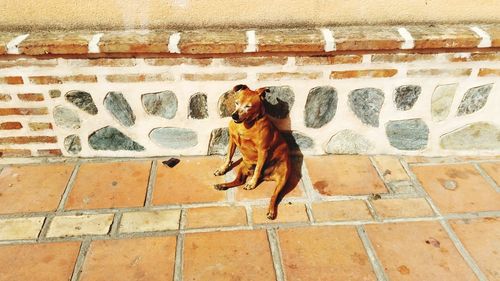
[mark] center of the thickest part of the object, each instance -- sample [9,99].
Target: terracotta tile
[443,36]
[481,238]
[191,181]
[402,208]
[367,38]
[216,216]
[110,185]
[324,253]
[135,41]
[32,188]
[41,262]
[344,175]
[391,168]
[290,40]
[471,193]
[417,251]
[341,211]
[287,213]
[228,255]
[149,258]
[493,170]
[265,190]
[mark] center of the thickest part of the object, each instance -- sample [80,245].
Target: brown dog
[265,153]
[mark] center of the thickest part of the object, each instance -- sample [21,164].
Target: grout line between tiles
[274,245]
[77,270]
[372,255]
[69,187]
[151,183]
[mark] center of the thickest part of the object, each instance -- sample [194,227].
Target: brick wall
[430,90]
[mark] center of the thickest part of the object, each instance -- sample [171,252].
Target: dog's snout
[235,116]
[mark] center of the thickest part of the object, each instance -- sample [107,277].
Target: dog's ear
[239,88]
[262,92]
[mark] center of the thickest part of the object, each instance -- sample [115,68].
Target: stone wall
[387,90]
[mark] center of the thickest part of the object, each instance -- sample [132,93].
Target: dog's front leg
[227,164]
[261,159]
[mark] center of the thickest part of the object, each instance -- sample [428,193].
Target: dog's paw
[250,186]
[219,187]
[220,172]
[271,215]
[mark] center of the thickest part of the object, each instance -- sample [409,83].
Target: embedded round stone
[410,134]
[66,118]
[279,101]
[348,142]
[226,104]
[321,106]
[198,106]
[54,93]
[480,135]
[162,104]
[109,138]
[441,101]
[219,140]
[82,100]
[406,96]
[474,99]
[366,104]
[297,141]
[176,138]
[72,144]
[119,108]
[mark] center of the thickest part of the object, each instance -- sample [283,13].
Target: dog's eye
[248,106]
[237,103]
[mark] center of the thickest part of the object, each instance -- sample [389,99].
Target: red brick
[367,38]
[49,152]
[402,57]
[27,62]
[43,262]
[15,153]
[214,76]
[288,76]
[5,97]
[443,37]
[439,72]
[255,61]
[135,42]
[493,56]
[115,62]
[23,111]
[62,79]
[51,42]
[134,78]
[365,73]
[10,126]
[30,97]
[30,139]
[290,40]
[40,126]
[338,59]
[489,72]
[213,41]
[11,80]
[177,61]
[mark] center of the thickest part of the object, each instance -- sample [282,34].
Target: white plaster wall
[344,117]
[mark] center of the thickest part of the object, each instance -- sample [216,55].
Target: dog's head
[249,104]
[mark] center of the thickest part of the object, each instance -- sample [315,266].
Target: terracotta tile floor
[337,222]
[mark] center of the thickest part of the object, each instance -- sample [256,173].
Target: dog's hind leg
[273,208]
[240,179]
[227,164]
